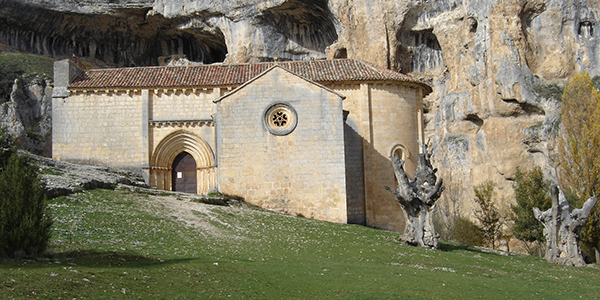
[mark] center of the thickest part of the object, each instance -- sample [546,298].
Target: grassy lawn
[30,63]
[115,244]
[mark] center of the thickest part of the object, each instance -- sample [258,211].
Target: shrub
[489,216]
[531,190]
[448,212]
[596,82]
[24,218]
[466,232]
[548,91]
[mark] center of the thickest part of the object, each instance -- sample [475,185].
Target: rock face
[139,33]
[495,66]
[64,178]
[498,107]
[27,114]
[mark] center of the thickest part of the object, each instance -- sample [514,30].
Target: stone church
[306,137]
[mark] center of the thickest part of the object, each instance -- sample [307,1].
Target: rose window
[280,119]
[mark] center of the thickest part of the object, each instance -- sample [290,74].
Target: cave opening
[420,51]
[151,51]
[475,119]
[130,38]
[586,29]
[308,23]
[340,53]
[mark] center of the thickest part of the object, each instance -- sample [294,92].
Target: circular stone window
[281,119]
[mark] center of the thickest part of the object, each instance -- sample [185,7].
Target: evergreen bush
[24,218]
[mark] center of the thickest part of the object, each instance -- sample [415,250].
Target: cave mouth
[475,119]
[419,52]
[152,51]
[586,29]
[129,38]
[308,23]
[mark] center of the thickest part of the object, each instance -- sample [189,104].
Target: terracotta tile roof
[235,74]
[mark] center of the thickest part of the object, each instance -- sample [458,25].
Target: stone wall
[103,127]
[298,173]
[122,128]
[182,109]
[183,104]
[354,154]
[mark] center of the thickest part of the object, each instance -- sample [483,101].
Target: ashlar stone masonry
[313,137]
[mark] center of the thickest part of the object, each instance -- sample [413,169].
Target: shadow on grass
[102,259]
[449,247]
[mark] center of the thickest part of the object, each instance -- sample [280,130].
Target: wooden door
[184,174]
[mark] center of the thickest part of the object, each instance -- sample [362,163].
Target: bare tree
[562,227]
[417,198]
[579,149]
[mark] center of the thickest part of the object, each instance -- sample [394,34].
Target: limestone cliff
[495,65]
[27,114]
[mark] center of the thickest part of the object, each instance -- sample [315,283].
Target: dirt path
[204,217]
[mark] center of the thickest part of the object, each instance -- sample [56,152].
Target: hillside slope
[118,244]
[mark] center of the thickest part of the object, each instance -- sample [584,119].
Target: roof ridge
[271,68]
[173,67]
[335,70]
[224,64]
[379,68]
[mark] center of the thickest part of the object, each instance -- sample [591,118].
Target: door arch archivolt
[161,161]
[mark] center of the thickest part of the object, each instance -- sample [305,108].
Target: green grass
[51,171]
[114,244]
[30,63]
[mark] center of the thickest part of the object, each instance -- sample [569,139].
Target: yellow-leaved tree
[579,149]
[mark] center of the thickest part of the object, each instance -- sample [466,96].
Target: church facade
[311,137]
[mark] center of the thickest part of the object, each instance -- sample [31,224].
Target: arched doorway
[165,157]
[184,173]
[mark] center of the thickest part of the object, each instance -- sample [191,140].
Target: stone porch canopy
[215,75]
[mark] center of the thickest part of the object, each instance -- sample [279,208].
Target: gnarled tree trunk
[562,227]
[417,198]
